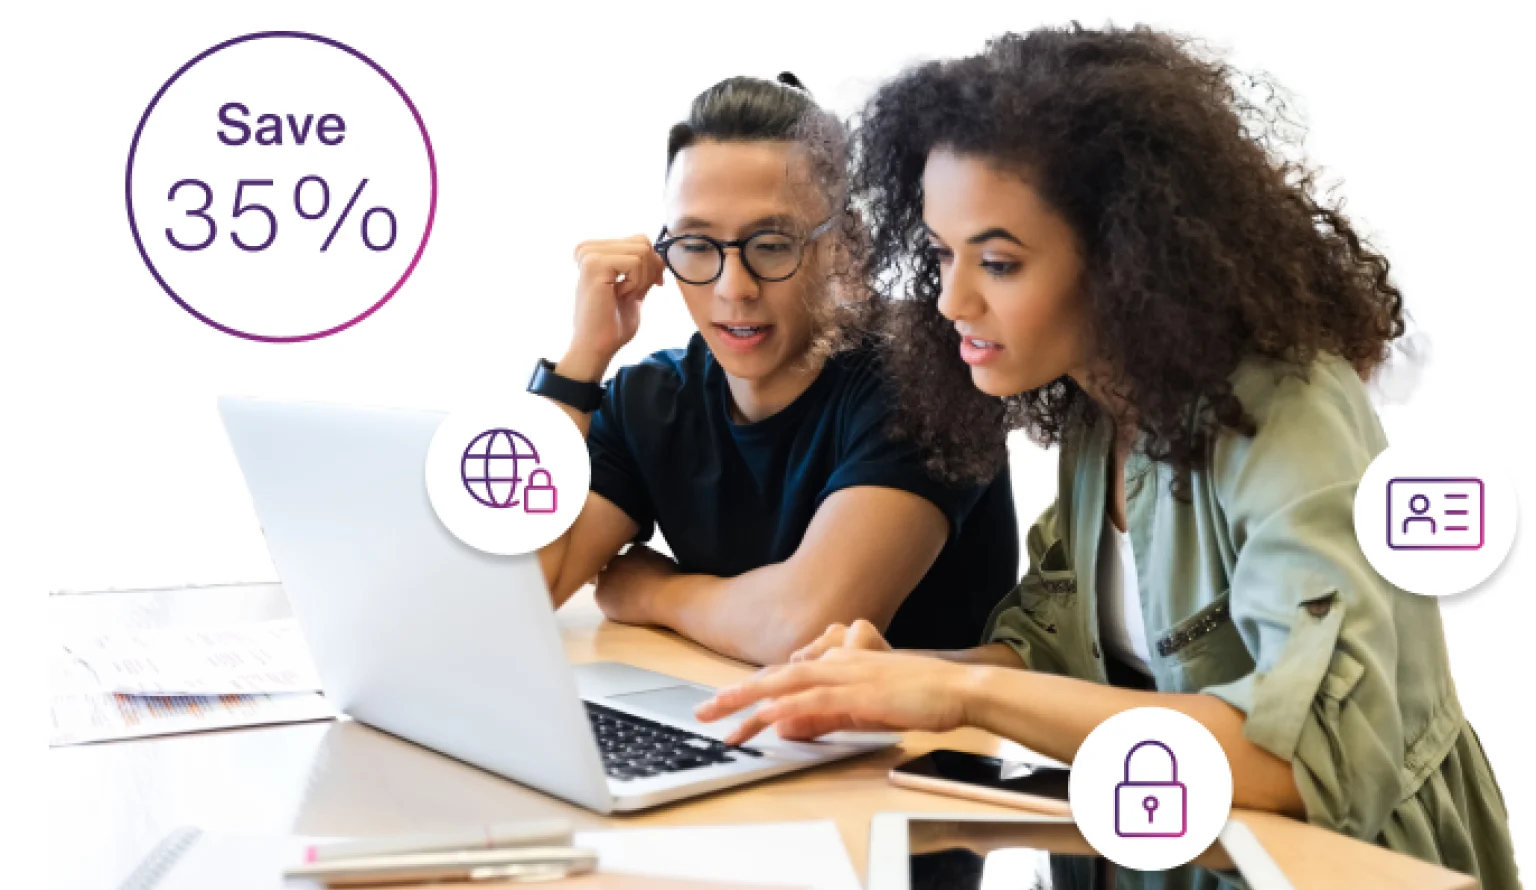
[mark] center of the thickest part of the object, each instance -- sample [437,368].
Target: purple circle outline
[266,338]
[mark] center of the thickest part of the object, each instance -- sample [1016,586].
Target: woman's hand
[859,635]
[615,277]
[849,689]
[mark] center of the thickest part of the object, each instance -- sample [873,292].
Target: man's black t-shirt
[733,497]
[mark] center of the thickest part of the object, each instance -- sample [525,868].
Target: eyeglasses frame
[663,244]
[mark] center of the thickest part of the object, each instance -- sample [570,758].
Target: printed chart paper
[262,657]
[98,717]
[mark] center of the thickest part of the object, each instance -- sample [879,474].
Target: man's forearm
[588,368]
[755,617]
[865,550]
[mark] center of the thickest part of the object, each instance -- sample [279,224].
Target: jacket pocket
[1037,614]
[1049,593]
[1204,649]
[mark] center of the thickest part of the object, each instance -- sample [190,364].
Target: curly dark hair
[1202,242]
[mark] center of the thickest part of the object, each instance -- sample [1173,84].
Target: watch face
[541,371]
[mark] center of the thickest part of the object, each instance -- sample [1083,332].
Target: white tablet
[953,851]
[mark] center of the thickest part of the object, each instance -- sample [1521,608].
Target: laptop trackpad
[673,702]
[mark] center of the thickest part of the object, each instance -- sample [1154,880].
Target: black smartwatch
[581,395]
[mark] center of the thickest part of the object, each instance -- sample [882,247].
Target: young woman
[1103,248]
[760,451]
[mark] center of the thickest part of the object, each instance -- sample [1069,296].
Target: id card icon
[1438,513]
[1446,532]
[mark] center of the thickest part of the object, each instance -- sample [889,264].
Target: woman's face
[729,190]
[1010,270]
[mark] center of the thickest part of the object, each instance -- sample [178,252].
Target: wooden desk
[115,801]
[118,799]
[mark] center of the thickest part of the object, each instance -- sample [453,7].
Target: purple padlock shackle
[1172,759]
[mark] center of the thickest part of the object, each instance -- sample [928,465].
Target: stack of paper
[782,854]
[806,855]
[134,683]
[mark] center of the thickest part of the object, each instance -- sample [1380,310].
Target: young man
[766,462]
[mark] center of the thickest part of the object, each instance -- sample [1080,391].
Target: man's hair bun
[789,79]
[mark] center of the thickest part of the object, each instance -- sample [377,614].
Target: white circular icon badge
[1150,789]
[1435,521]
[509,477]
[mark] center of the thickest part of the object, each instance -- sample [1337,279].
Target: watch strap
[582,395]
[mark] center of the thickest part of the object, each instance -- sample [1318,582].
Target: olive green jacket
[1256,591]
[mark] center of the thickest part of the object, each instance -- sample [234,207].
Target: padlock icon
[540,498]
[1151,808]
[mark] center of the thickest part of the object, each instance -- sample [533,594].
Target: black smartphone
[989,779]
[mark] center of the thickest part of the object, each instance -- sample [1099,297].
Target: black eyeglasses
[768,254]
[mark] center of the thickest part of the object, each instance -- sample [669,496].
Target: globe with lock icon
[492,467]
[508,475]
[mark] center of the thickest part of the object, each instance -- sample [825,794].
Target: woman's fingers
[748,730]
[830,638]
[805,729]
[864,635]
[731,699]
[772,682]
[806,714]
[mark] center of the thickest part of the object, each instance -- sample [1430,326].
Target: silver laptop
[422,636]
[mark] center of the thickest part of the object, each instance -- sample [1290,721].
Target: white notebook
[190,859]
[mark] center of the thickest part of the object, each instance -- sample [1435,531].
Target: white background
[549,126]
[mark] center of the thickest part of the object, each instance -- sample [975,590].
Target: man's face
[729,190]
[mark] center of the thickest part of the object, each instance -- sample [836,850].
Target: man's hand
[615,277]
[626,588]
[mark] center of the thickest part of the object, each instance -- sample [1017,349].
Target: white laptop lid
[411,630]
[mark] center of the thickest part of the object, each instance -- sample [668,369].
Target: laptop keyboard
[636,748]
